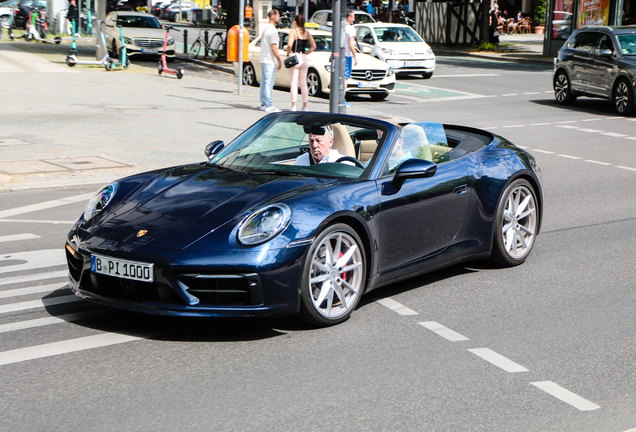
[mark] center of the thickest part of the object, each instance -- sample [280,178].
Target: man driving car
[320,143]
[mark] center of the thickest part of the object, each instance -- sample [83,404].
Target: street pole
[240,47]
[336,95]
[306,10]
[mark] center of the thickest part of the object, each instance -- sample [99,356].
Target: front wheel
[427,75]
[379,96]
[249,75]
[517,224]
[623,98]
[160,67]
[108,65]
[563,89]
[216,47]
[4,21]
[70,61]
[196,50]
[313,83]
[180,73]
[334,276]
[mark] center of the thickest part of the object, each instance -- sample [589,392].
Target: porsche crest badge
[142,233]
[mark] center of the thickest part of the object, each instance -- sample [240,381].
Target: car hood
[406,47]
[133,32]
[181,205]
[365,61]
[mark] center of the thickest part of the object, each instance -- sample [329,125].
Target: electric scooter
[72,60]
[163,65]
[124,60]
[36,28]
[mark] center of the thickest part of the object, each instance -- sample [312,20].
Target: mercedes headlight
[328,68]
[428,51]
[100,200]
[388,51]
[264,224]
[128,41]
[389,72]
[170,41]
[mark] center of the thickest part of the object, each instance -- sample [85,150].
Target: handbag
[291,61]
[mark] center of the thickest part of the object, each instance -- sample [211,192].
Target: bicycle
[201,48]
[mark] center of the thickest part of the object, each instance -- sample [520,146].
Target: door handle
[460,189]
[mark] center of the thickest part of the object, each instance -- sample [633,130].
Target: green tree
[538,12]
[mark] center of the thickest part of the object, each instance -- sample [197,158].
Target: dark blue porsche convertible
[303,213]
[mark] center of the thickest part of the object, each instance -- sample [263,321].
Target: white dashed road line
[566,396]
[16,307]
[569,157]
[396,307]
[598,162]
[41,322]
[18,237]
[45,205]
[498,360]
[33,277]
[444,332]
[31,290]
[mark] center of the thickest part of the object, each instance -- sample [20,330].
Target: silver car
[143,34]
[598,62]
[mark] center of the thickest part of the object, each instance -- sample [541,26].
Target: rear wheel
[313,83]
[516,224]
[108,65]
[160,67]
[334,276]
[623,97]
[563,89]
[196,50]
[180,73]
[249,75]
[216,46]
[70,61]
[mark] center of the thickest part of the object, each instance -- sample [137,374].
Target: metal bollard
[185,41]
[205,55]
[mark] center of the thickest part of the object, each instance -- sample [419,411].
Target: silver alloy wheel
[561,88]
[313,83]
[519,227]
[249,76]
[4,22]
[336,275]
[621,97]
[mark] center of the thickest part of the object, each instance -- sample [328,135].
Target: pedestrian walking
[72,15]
[270,61]
[370,9]
[350,50]
[300,43]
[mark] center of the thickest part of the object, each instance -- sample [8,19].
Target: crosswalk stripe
[31,290]
[34,277]
[17,237]
[64,347]
[40,322]
[33,304]
[45,205]
[34,259]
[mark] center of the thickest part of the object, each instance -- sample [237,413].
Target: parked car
[398,45]
[599,62]
[172,12]
[324,18]
[370,76]
[248,234]
[157,7]
[6,10]
[143,34]
[561,24]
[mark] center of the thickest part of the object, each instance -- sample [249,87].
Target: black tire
[623,97]
[179,73]
[427,75]
[216,46]
[516,224]
[313,83]
[160,67]
[249,75]
[329,297]
[379,96]
[196,50]
[563,89]
[108,65]
[115,52]
[69,61]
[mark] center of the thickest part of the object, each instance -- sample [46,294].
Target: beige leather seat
[342,141]
[367,149]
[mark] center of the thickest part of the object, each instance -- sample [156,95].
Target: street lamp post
[336,95]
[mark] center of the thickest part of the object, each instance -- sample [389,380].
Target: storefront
[568,15]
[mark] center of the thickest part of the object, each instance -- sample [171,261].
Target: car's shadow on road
[599,107]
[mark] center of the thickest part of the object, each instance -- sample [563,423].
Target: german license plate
[412,63]
[122,269]
[150,51]
[368,85]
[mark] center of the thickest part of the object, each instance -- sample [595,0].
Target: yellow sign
[311,25]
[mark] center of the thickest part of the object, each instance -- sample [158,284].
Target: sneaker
[271,109]
[305,109]
[294,108]
[347,104]
[263,107]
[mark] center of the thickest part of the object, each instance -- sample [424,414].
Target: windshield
[627,43]
[139,21]
[363,19]
[397,34]
[323,43]
[280,145]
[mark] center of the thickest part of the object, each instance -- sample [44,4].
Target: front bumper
[194,283]
[132,50]
[412,65]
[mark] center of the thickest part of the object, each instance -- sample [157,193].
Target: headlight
[170,41]
[328,68]
[100,200]
[388,51]
[264,224]
[389,72]
[128,40]
[428,52]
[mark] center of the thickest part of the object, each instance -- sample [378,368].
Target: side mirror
[366,50]
[413,168]
[213,148]
[605,53]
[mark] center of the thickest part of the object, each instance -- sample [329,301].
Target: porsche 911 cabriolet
[265,227]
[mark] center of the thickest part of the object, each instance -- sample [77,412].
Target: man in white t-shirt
[320,150]
[270,61]
[350,49]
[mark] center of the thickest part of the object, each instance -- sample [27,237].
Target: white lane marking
[444,332]
[34,259]
[514,126]
[18,237]
[597,162]
[32,221]
[548,91]
[626,168]
[33,304]
[31,290]
[34,277]
[45,205]
[567,127]
[590,130]
[568,121]
[510,94]
[40,322]
[542,151]
[65,347]
[614,134]
[396,307]
[630,138]
[498,360]
[588,120]
[531,93]
[565,395]
[466,75]
[569,157]
[540,124]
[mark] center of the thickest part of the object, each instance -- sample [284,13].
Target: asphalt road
[546,346]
